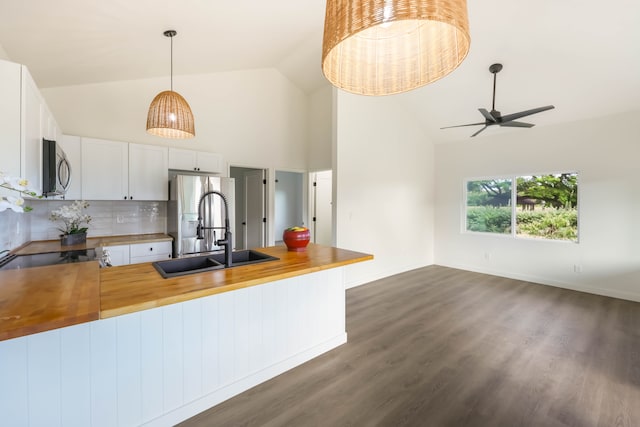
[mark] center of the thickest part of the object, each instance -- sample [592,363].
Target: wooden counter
[43,298]
[42,246]
[132,288]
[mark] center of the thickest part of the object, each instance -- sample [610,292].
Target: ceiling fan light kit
[169,114]
[494,117]
[384,47]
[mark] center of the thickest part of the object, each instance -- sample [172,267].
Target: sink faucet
[227,240]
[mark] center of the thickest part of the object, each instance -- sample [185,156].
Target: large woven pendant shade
[169,113]
[383,47]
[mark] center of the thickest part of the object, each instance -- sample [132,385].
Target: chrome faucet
[227,240]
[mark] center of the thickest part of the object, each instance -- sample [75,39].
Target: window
[546,206]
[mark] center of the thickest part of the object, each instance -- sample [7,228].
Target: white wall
[252,117]
[320,129]
[385,180]
[605,152]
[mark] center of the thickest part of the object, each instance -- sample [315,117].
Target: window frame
[514,206]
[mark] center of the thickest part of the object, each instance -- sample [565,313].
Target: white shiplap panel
[255,350]
[104,390]
[241,332]
[14,385]
[295,316]
[269,314]
[151,359]
[172,349]
[192,332]
[226,337]
[75,375]
[210,344]
[281,320]
[128,363]
[44,378]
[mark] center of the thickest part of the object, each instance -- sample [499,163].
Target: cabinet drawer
[151,258]
[150,249]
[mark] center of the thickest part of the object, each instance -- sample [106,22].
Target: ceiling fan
[493,117]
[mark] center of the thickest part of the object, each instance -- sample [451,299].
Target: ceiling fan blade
[513,124]
[459,126]
[514,116]
[478,131]
[487,115]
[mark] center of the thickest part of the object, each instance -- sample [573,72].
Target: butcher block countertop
[39,299]
[137,287]
[43,298]
[42,246]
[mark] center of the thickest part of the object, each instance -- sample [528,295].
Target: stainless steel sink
[199,264]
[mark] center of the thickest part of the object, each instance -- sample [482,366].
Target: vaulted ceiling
[581,56]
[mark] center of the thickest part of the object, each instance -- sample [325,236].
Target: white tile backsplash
[14,228]
[108,218]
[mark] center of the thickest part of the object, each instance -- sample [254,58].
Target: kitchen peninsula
[166,349]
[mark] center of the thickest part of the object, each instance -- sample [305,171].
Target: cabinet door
[10,118]
[31,151]
[209,162]
[119,254]
[71,147]
[182,159]
[148,172]
[105,169]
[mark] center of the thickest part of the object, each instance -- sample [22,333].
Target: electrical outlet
[577,268]
[487,256]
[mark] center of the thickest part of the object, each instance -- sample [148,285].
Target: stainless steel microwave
[56,169]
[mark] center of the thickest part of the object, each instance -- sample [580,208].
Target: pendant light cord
[171,63]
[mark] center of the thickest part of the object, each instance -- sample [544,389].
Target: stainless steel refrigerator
[185,192]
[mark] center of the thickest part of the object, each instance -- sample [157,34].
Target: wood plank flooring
[443,347]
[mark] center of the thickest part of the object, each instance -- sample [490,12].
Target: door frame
[268,208]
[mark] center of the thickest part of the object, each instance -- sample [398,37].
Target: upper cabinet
[148,172]
[10,104]
[24,120]
[199,161]
[113,170]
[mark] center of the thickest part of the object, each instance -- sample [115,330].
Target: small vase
[296,241]
[73,239]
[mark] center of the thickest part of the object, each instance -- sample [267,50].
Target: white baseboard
[193,408]
[550,282]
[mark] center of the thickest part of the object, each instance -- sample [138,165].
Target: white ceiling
[580,55]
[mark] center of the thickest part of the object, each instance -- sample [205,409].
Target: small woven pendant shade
[170,116]
[169,113]
[382,47]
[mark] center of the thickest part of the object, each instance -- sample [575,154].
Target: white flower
[21,185]
[72,217]
[16,204]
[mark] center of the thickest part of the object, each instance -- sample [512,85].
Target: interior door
[322,205]
[255,218]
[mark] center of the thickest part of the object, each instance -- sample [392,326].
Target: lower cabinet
[138,253]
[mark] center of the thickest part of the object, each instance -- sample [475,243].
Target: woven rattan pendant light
[382,47]
[169,113]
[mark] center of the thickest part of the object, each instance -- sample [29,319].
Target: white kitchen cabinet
[24,120]
[71,147]
[148,172]
[114,170]
[10,102]
[149,252]
[105,169]
[138,253]
[119,254]
[199,161]
[31,147]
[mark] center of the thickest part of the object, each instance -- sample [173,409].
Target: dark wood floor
[445,347]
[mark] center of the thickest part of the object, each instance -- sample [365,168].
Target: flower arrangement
[19,185]
[72,217]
